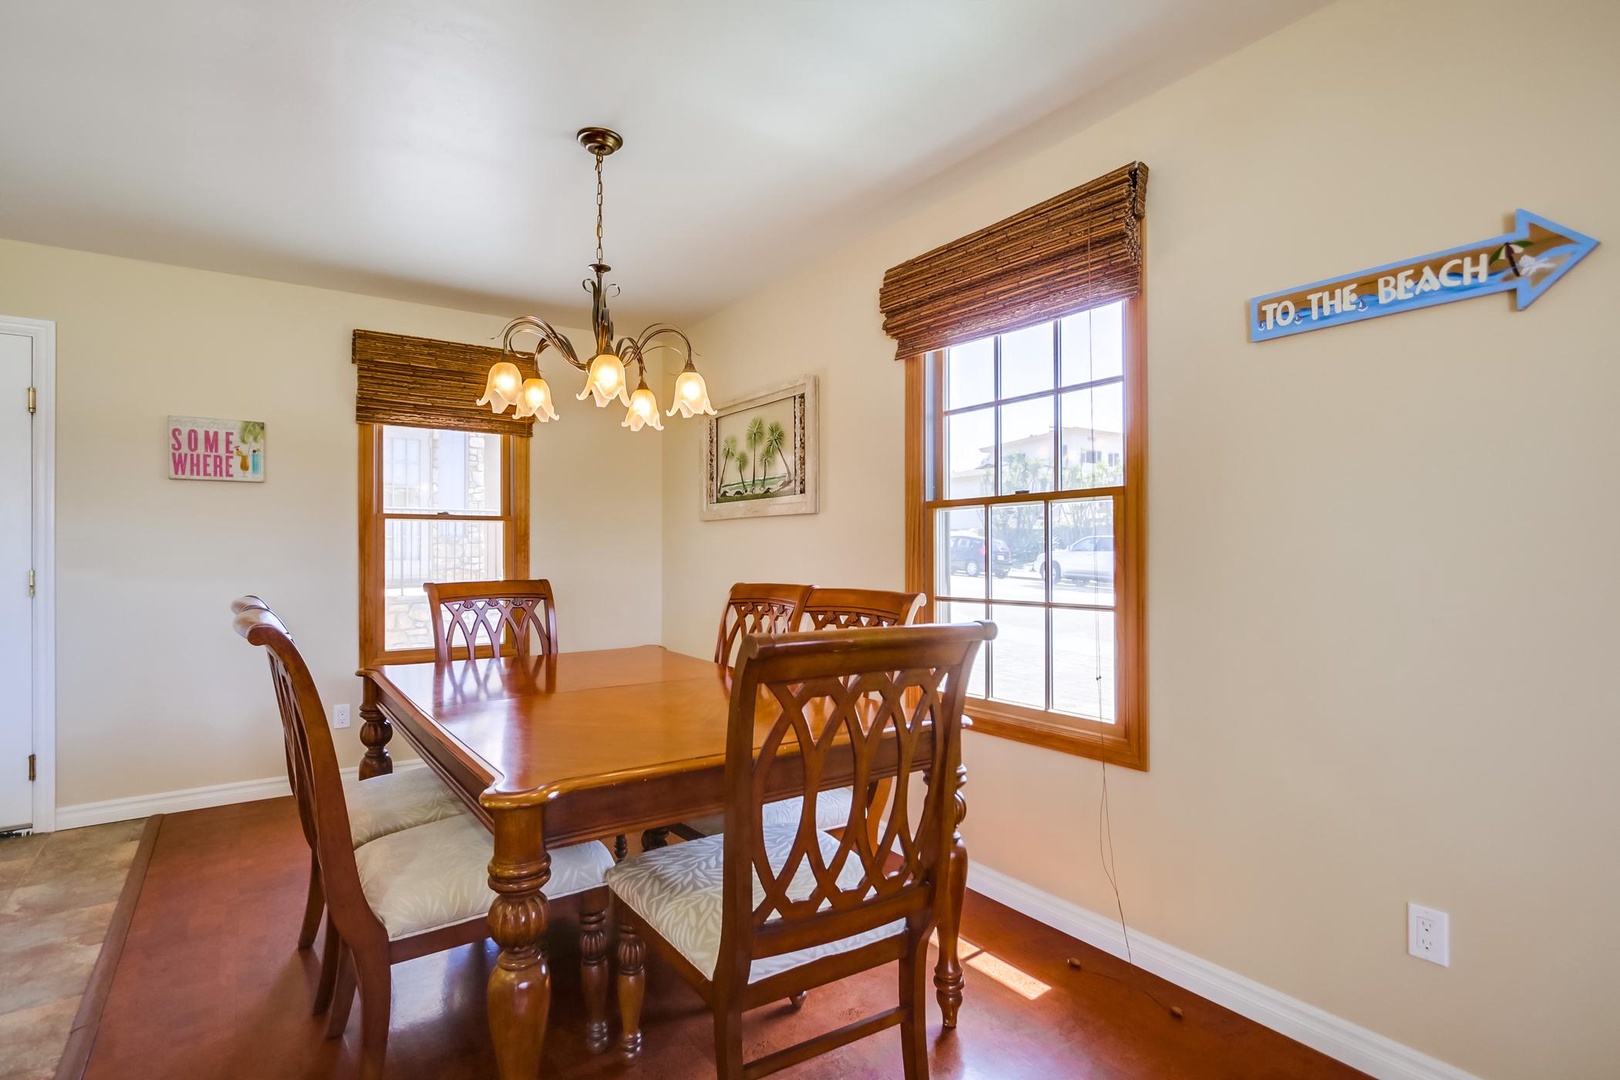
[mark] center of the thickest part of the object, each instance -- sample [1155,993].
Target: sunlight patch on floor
[988,963]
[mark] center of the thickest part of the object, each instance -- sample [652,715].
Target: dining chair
[753,608]
[842,609]
[520,613]
[764,912]
[390,803]
[410,893]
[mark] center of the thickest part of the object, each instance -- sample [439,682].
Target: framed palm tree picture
[760,458]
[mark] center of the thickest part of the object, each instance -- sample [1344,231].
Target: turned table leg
[520,985]
[375,731]
[948,979]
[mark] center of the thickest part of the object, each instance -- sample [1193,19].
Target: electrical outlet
[1428,934]
[340,716]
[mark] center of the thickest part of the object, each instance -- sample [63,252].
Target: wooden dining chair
[410,893]
[514,617]
[390,803]
[754,608]
[764,912]
[844,609]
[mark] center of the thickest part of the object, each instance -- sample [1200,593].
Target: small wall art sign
[761,456]
[204,449]
[1526,261]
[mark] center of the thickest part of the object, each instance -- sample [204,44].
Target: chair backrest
[844,609]
[313,760]
[891,698]
[757,608]
[513,617]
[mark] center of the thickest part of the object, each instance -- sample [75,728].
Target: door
[16,614]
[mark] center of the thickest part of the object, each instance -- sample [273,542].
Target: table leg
[375,731]
[948,979]
[520,985]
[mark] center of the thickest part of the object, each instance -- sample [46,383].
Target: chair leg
[914,1000]
[342,995]
[653,839]
[331,950]
[376,1001]
[313,905]
[632,983]
[593,967]
[728,1047]
[621,847]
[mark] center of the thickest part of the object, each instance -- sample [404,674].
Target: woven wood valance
[419,382]
[1073,251]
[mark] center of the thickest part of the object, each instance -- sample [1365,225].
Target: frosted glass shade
[534,399]
[605,381]
[501,388]
[691,395]
[643,411]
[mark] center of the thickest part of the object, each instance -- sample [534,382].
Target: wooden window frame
[515,554]
[1124,742]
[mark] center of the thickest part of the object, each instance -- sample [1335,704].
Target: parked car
[968,555]
[1090,558]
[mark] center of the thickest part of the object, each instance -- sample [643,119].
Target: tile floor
[57,894]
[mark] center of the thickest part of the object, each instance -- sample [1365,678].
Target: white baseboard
[197,798]
[1336,1037]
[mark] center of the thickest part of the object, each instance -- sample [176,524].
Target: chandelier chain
[598,207]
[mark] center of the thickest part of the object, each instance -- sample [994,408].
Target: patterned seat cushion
[832,812]
[396,801]
[438,874]
[676,891]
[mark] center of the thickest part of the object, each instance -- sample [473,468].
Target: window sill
[1103,742]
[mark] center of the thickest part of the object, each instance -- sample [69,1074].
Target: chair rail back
[860,703]
[843,609]
[313,760]
[511,616]
[757,608]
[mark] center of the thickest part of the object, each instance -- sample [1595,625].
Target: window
[1027,512]
[436,505]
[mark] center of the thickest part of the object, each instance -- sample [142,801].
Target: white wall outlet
[1428,934]
[340,716]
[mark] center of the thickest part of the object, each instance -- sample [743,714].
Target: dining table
[570,747]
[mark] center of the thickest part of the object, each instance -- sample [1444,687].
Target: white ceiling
[425,150]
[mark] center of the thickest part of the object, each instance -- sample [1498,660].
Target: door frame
[43,427]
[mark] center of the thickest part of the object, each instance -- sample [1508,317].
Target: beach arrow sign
[1527,261]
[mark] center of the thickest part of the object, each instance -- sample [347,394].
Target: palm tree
[753,437]
[742,463]
[775,441]
[728,454]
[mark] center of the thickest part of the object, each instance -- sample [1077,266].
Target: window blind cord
[1105,855]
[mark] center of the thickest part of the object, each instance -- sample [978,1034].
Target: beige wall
[1382,557]
[155,692]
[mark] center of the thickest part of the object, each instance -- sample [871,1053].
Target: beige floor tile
[33,1039]
[21,847]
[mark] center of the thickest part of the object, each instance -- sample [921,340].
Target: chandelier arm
[548,335]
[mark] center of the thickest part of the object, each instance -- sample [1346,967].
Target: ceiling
[426,150]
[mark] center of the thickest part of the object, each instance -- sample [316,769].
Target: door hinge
[33,399]
[30,767]
[30,583]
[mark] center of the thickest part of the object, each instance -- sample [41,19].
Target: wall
[1381,557]
[156,693]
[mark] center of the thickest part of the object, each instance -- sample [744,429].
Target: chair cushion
[676,891]
[396,801]
[437,875]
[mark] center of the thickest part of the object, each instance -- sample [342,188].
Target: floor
[210,984]
[57,894]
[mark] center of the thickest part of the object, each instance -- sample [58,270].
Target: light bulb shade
[502,386]
[605,381]
[643,411]
[691,395]
[534,399]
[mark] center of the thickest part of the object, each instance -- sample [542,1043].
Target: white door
[16,616]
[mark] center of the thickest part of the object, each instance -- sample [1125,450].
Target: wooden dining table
[573,747]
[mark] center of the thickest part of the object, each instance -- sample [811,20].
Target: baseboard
[197,798]
[1338,1038]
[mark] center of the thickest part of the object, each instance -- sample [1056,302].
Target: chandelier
[605,374]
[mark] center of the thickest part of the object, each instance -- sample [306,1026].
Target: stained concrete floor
[57,895]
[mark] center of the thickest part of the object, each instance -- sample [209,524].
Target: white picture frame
[766,470]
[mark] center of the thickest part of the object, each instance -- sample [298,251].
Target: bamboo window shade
[1074,251]
[420,382]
